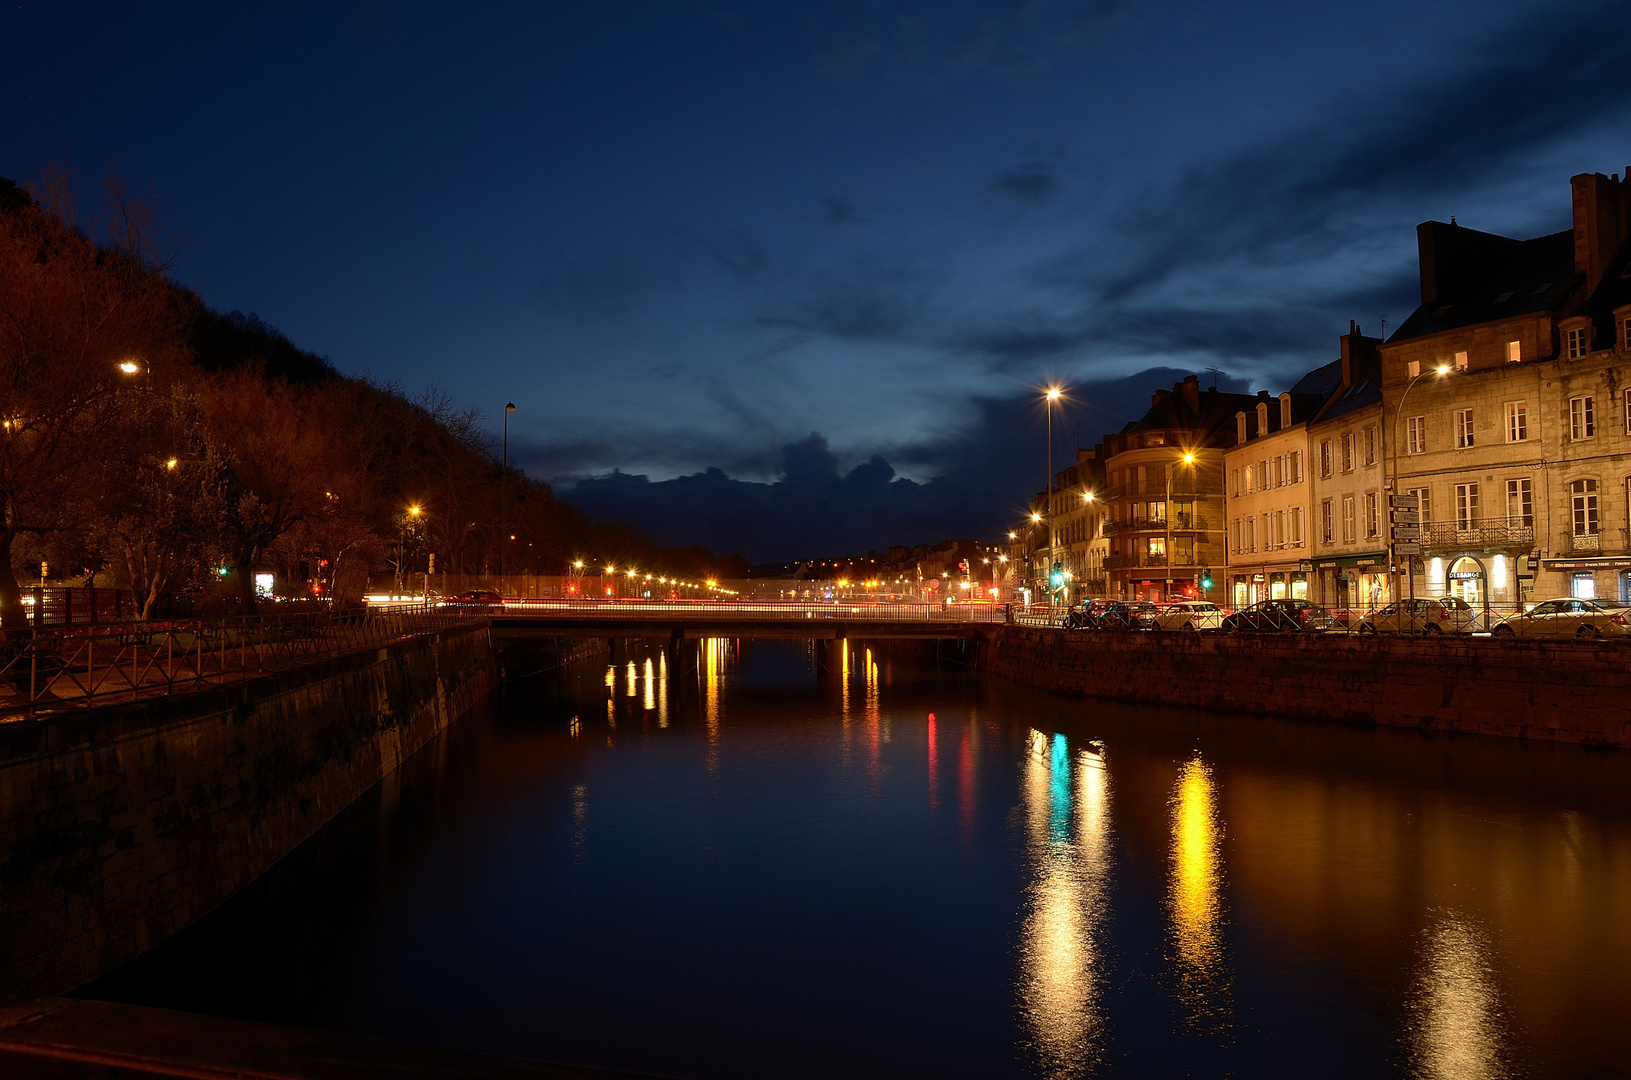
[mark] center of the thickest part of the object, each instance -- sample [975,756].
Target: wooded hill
[148,442]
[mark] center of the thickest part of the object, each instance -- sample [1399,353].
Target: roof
[1471,277]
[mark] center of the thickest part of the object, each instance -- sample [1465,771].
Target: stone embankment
[1561,692]
[123,824]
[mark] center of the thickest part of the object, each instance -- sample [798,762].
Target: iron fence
[55,668]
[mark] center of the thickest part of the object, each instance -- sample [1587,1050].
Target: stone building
[1269,492]
[1349,511]
[1164,496]
[1079,515]
[1507,388]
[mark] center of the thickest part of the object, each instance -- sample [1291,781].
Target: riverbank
[1565,692]
[124,824]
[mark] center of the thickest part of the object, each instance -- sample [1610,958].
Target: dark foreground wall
[1561,692]
[121,825]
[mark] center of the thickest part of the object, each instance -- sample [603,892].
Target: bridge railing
[54,668]
[857,610]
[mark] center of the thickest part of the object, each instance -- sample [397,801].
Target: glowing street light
[129,367]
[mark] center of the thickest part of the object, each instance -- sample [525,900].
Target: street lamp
[1390,483]
[1053,554]
[1188,458]
[504,505]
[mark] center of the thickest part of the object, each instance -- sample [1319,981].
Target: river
[756,859]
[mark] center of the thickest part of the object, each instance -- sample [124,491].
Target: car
[1279,615]
[1086,613]
[1567,616]
[473,598]
[1127,615]
[1190,615]
[1433,615]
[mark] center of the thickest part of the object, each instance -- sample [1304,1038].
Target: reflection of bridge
[677,620]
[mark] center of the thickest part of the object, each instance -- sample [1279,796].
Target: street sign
[1407,532]
[1408,548]
[1406,517]
[1404,502]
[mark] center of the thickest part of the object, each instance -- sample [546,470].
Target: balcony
[1158,562]
[1180,523]
[1483,534]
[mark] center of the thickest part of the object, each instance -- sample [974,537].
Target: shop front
[1591,579]
[1485,581]
[1358,583]
[1278,582]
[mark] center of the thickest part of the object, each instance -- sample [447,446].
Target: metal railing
[51,669]
[1483,534]
[852,609]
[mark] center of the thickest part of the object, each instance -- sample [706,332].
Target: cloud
[836,211]
[1033,184]
[983,472]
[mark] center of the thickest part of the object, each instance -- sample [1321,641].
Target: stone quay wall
[1566,691]
[123,824]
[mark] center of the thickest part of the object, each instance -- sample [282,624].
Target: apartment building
[1507,386]
[1269,501]
[1164,494]
[1079,516]
[1346,441]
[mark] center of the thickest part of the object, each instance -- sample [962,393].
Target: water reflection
[662,694]
[1195,900]
[1456,1029]
[1062,951]
[649,701]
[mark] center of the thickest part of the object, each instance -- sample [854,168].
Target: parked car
[1280,615]
[473,598]
[1127,615]
[1190,615]
[1567,617]
[1086,613]
[1437,615]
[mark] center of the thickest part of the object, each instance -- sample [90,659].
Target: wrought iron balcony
[1158,562]
[1180,523]
[1482,534]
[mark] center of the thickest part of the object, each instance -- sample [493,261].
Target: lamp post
[504,506]
[1052,396]
[1391,482]
[1166,512]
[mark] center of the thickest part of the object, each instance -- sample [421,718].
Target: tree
[70,314]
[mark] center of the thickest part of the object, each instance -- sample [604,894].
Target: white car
[1190,615]
[1434,615]
[1568,616]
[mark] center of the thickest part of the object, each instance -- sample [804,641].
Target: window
[1327,522]
[1582,418]
[1517,421]
[1412,370]
[1514,352]
[1370,446]
[1240,428]
[1463,429]
[1576,343]
[1158,546]
[1325,458]
[1279,529]
[1157,512]
[1294,465]
[1348,452]
[1520,503]
[1461,361]
[1583,496]
[1625,333]
[1251,533]
[1348,532]
[1466,506]
[1415,440]
[1373,515]
[1424,501]
[1296,526]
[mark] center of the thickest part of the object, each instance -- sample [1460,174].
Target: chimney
[1190,388]
[1602,217]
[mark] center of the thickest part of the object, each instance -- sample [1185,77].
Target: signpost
[1404,512]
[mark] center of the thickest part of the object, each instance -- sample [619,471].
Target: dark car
[1279,615]
[1128,615]
[474,598]
[1084,615]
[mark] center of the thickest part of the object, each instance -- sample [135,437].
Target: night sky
[814,259]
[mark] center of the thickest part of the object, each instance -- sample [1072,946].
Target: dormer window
[1285,410]
[1514,352]
[1461,360]
[1576,337]
[1577,343]
[1412,369]
[1240,429]
[1262,418]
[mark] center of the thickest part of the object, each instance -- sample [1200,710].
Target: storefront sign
[1466,575]
[1587,564]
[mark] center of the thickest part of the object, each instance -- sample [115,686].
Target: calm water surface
[777,859]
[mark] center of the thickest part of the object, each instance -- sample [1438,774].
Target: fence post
[92,592]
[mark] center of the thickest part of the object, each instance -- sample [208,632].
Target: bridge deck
[694,626]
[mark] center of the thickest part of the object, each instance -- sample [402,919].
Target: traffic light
[1057,575]
[1206,578]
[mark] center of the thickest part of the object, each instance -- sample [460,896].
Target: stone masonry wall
[1561,692]
[123,824]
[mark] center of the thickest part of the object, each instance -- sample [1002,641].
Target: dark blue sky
[684,235]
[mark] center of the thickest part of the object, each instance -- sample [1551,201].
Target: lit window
[1461,361]
[1582,418]
[1517,421]
[1463,429]
[1413,369]
[1514,352]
